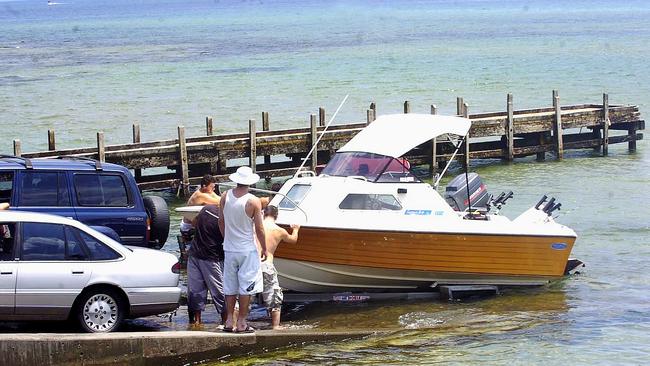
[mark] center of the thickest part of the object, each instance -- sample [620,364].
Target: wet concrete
[155,340]
[153,348]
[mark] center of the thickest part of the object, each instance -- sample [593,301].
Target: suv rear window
[99,190]
[44,189]
[6,185]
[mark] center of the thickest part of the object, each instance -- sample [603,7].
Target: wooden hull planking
[331,259]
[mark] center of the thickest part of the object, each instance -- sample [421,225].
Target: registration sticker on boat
[417,212]
[350,298]
[558,246]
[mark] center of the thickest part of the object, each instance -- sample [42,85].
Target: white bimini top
[396,134]
[240,229]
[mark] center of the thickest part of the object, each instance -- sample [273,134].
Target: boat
[369,224]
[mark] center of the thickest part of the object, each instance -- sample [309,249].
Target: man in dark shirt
[205,264]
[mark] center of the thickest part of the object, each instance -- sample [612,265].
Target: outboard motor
[456,192]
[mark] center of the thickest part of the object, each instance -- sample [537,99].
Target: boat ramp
[507,135]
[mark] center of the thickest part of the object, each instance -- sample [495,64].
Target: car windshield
[374,167]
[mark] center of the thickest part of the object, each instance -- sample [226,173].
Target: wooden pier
[503,135]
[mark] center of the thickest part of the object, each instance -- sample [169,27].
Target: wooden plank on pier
[182,152]
[557,125]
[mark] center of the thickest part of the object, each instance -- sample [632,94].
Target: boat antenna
[304,160]
[460,143]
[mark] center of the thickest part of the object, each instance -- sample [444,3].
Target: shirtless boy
[205,195]
[272,294]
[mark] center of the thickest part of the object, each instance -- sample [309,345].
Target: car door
[43,191]
[52,271]
[8,268]
[104,199]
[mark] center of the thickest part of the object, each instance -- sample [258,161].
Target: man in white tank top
[241,220]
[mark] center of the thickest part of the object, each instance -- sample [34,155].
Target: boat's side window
[377,202]
[295,195]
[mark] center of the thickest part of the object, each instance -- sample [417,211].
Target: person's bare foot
[279,327]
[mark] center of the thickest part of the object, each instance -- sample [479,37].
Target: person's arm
[222,222]
[208,199]
[293,237]
[265,201]
[4,206]
[256,205]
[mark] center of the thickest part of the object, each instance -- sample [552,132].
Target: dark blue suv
[102,195]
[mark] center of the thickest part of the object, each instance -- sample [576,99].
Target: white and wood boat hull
[330,260]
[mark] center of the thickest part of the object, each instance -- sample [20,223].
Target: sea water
[79,67]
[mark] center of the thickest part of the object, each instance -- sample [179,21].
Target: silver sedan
[54,268]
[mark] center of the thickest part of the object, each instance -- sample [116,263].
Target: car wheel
[100,311]
[159,215]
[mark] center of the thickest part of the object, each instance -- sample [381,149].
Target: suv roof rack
[98,164]
[26,162]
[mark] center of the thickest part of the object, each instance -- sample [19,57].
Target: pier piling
[557,126]
[434,146]
[101,147]
[17,149]
[51,140]
[252,143]
[510,130]
[313,138]
[184,166]
[605,124]
[208,126]
[136,140]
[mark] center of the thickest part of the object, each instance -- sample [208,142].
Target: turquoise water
[84,66]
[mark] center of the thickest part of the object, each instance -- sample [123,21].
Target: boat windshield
[374,167]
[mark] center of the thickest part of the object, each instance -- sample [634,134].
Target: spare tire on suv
[159,220]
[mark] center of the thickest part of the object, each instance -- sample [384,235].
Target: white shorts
[242,274]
